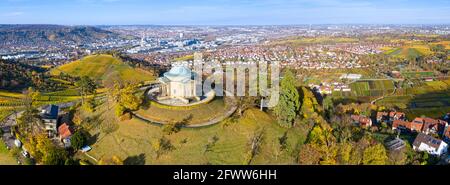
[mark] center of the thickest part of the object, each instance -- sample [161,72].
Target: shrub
[126,116]
[120,110]
[79,139]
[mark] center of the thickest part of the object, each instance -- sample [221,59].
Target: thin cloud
[13,14]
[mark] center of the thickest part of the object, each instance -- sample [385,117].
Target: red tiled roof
[418,120]
[402,123]
[362,120]
[391,114]
[447,133]
[400,114]
[381,114]
[64,131]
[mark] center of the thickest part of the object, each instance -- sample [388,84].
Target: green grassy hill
[104,67]
[231,145]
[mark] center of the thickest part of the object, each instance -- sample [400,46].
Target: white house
[49,117]
[429,144]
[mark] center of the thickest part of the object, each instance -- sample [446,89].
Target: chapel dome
[179,74]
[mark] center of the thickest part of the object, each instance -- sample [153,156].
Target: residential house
[363,121]
[390,117]
[65,132]
[381,116]
[414,126]
[397,116]
[446,134]
[417,124]
[434,126]
[325,90]
[429,144]
[400,124]
[447,117]
[49,117]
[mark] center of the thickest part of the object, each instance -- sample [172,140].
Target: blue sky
[224,12]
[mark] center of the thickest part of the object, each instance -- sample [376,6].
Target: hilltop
[51,35]
[103,67]
[15,75]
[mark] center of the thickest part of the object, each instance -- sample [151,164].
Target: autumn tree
[398,157]
[375,155]
[255,145]
[162,146]
[29,121]
[86,86]
[289,103]
[344,153]
[309,155]
[125,98]
[245,102]
[310,106]
[44,151]
[114,160]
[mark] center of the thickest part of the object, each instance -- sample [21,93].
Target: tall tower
[181,35]
[143,39]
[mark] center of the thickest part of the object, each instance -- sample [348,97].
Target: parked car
[17,143]
[25,154]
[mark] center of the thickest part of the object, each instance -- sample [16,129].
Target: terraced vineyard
[372,87]
[101,67]
[10,101]
[408,51]
[430,99]
[420,74]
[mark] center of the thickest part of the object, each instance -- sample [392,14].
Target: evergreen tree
[289,102]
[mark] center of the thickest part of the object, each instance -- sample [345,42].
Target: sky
[224,12]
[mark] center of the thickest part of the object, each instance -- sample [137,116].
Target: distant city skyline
[224,12]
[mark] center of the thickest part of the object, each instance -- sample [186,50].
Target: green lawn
[200,114]
[5,157]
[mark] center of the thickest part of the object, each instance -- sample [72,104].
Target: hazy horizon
[224,12]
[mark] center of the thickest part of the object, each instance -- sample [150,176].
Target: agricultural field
[10,101]
[413,49]
[372,87]
[444,43]
[295,41]
[330,76]
[431,99]
[406,52]
[185,58]
[103,67]
[419,74]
